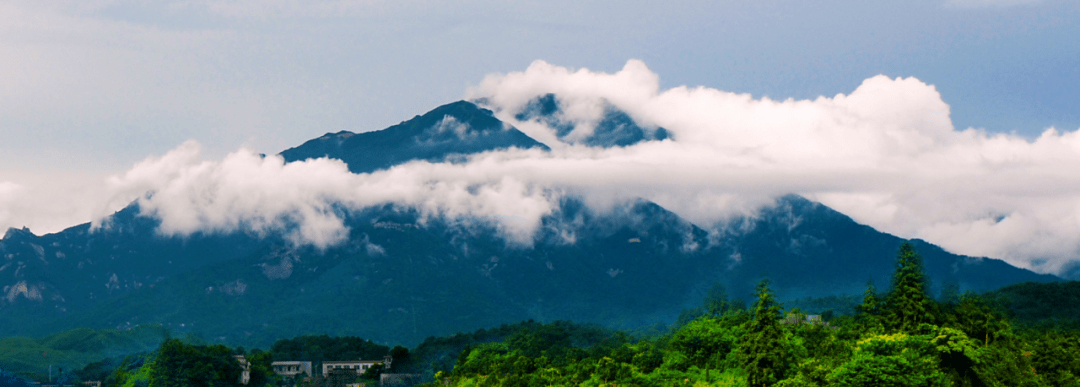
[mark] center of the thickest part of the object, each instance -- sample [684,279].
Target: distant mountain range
[399,280]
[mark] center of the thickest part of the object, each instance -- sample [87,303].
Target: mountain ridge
[456,128]
[396,279]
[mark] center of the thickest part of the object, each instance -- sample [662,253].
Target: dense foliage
[68,351]
[902,337]
[1039,304]
[177,364]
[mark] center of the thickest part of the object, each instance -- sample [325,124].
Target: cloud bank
[886,154]
[303,200]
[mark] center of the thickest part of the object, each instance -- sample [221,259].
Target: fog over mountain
[887,155]
[451,221]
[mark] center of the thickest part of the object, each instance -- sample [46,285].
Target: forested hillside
[898,337]
[64,352]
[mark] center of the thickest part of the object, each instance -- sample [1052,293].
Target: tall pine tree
[764,355]
[908,303]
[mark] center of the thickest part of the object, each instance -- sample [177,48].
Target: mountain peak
[456,128]
[13,233]
[614,129]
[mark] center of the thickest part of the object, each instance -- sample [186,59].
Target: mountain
[614,128]
[454,129]
[399,279]
[808,249]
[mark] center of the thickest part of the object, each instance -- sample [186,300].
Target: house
[245,375]
[291,368]
[358,366]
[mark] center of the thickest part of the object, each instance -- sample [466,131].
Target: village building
[245,375]
[358,366]
[291,368]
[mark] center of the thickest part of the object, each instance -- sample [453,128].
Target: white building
[245,376]
[358,366]
[291,368]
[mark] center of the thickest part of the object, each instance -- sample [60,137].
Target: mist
[887,154]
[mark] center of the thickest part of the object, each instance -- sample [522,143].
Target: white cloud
[250,192]
[48,204]
[886,154]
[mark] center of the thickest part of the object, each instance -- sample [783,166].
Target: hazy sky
[90,88]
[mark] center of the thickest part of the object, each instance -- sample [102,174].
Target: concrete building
[291,368]
[245,375]
[358,366]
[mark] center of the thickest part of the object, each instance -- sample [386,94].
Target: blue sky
[90,88]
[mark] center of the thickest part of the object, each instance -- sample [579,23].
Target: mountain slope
[398,279]
[458,128]
[809,249]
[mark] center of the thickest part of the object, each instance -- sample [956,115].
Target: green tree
[704,338]
[895,360]
[762,351]
[978,319]
[1005,363]
[908,303]
[647,358]
[177,364]
[958,356]
[401,361]
[1054,356]
[868,314]
[262,370]
[608,371]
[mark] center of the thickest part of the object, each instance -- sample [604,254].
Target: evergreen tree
[908,303]
[868,314]
[762,350]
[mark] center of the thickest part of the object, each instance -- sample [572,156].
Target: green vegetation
[902,337]
[908,303]
[178,364]
[1040,305]
[30,358]
[761,350]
